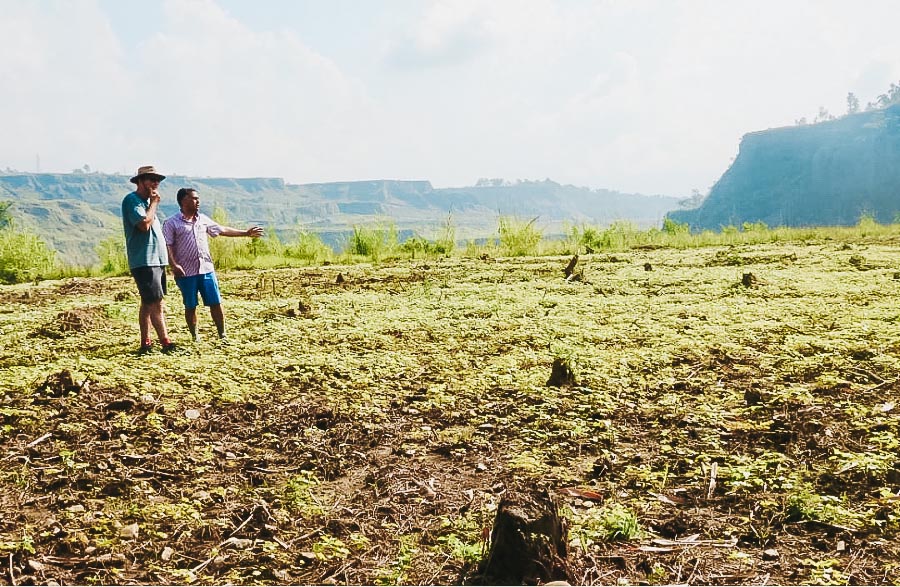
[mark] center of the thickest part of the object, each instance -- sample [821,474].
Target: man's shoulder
[130,196]
[206,221]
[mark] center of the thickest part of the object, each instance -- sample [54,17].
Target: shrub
[113,259]
[308,246]
[518,238]
[374,243]
[673,228]
[24,256]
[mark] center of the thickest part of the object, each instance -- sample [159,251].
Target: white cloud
[643,95]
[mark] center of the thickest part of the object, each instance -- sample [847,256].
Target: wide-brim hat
[147,170]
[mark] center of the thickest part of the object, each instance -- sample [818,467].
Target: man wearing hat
[147,256]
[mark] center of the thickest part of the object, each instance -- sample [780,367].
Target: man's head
[188,200]
[147,172]
[147,180]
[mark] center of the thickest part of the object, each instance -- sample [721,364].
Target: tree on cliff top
[892,96]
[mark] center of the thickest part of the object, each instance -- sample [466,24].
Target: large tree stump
[528,542]
[561,374]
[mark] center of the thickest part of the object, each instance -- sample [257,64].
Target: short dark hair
[182,193]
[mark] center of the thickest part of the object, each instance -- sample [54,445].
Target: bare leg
[144,322]
[158,319]
[218,317]
[190,317]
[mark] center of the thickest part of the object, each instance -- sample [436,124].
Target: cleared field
[734,420]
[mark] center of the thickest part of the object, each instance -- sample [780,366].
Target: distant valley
[73,212]
[824,174]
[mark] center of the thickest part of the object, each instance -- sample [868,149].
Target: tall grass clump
[621,235]
[519,238]
[24,256]
[374,244]
[444,244]
[308,247]
[446,239]
[113,259]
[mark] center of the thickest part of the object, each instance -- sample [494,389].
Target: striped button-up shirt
[189,242]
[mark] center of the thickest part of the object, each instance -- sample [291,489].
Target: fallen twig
[245,522]
[39,440]
[713,471]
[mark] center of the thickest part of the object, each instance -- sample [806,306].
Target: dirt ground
[365,422]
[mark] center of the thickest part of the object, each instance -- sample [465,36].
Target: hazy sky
[637,96]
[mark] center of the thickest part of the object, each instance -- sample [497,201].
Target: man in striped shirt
[188,246]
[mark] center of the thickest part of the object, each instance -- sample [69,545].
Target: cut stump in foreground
[561,374]
[528,542]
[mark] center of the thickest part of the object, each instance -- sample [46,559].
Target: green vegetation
[28,257]
[24,257]
[365,431]
[5,217]
[518,238]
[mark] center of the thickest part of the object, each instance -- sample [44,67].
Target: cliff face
[829,173]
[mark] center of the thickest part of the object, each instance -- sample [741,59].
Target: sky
[638,96]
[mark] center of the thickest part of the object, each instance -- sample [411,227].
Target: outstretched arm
[253,231]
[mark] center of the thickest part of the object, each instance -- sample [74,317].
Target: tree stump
[561,374]
[570,268]
[528,542]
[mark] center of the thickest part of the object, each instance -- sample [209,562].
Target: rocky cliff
[830,173]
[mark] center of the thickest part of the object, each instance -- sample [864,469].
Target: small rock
[770,554]
[111,558]
[201,496]
[52,583]
[36,566]
[481,467]
[239,543]
[308,556]
[283,577]
[192,414]
[167,553]
[841,546]
[76,509]
[129,532]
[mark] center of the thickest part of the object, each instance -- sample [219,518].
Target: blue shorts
[206,284]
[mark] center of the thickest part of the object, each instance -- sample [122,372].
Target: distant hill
[75,211]
[829,173]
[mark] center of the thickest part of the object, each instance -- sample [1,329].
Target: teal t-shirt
[145,249]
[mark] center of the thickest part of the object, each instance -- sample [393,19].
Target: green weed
[519,238]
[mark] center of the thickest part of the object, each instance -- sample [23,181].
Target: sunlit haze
[636,96]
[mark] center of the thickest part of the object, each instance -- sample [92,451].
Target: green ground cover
[735,410]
